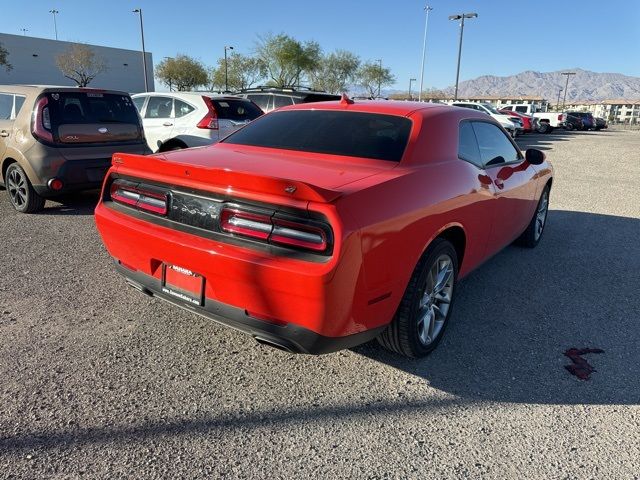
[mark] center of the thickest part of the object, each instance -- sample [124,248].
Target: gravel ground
[99,381]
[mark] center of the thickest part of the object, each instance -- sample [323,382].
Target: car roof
[375,106]
[189,95]
[28,89]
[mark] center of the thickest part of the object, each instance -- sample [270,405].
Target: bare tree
[4,55]
[80,64]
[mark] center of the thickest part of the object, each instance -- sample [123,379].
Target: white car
[176,120]
[511,124]
[547,121]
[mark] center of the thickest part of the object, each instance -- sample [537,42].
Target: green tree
[284,60]
[372,78]
[4,55]
[80,64]
[243,72]
[335,71]
[182,73]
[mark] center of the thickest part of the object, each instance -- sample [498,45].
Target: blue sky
[508,37]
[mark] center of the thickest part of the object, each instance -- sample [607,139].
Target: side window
[280,101]
[159,107]
[139,102]
[6,106]
[181,108]
[261,100]
[18,105]
[468,145]
[522,109]
[508,108]
[495,147]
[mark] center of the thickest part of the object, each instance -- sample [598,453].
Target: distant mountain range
[584,85]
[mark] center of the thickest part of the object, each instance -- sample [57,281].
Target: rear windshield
[238,110]
[354,134]
[91,108]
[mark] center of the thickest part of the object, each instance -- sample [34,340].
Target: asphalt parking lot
[99,381]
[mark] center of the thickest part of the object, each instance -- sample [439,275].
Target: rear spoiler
[158,168]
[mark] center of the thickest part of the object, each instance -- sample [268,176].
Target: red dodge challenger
[321,226]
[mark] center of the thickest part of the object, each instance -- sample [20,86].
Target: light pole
[460,17]
[226,71]
[24,31]
[427,9]
[54,12]
[558,102]
[144,55]
[411,80]
[379,75]
[564,99]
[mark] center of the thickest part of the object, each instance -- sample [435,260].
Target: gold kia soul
[55,140]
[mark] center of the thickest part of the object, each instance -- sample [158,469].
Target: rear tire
[21,193]
[425,308]
[532,235]
[543,127]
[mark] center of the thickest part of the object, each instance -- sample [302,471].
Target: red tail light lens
[274,230]
[41,122]
[140,197]
[560,117]
[210,120]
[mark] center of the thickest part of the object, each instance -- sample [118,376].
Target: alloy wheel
[17,186]
[435,300]
[541,214]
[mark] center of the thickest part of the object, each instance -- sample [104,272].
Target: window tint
[356,134]
[238,110]
[139,102]
[495,147]
[6,106]
[181,108]
[261,100]
[19,102]
[280,101]
[467,144]
[91,107]
[158,107]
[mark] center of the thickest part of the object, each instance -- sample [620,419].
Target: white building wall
[34,62]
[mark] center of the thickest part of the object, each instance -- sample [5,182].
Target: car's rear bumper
[289,337]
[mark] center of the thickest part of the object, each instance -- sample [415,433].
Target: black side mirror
[534,156]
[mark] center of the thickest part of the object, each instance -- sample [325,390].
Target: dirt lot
[99,381]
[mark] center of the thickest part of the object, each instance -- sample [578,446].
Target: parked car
[270,98]
[56,140]
[176,120]
[573,123]
[285,229]
[547,121]
[601,123]
[528,122]
[588,121]
[510,123]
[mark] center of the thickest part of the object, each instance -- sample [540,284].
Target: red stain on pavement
[580,367]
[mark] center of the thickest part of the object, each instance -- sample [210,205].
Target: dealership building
[34,62]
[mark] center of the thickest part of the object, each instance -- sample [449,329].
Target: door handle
[499,183]
[4,133]
[167,124]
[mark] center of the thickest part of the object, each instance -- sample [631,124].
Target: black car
[601,123]
[589,123]
[270,98]
[573,123]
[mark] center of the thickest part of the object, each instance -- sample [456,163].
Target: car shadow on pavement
[81,203]
[517,314]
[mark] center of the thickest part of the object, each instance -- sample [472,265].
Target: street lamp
[460,17]
[144,55]
[411,80]
[558,102]
[427,9]
[226,71]
[564,99]
[379,75]
[24,31]
[54,12]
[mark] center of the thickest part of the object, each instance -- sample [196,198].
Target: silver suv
[55,140]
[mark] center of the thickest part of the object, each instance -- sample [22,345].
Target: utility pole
[566,86]
[427,9]
[411,80]
[460,17]
[379,76]
[24,31]
[54,12]
[558,102]
[144,54]
[226,71]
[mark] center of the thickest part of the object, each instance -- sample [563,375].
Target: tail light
[143,198]
[298,234]
[210,120]
[41,127]
[562,117]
